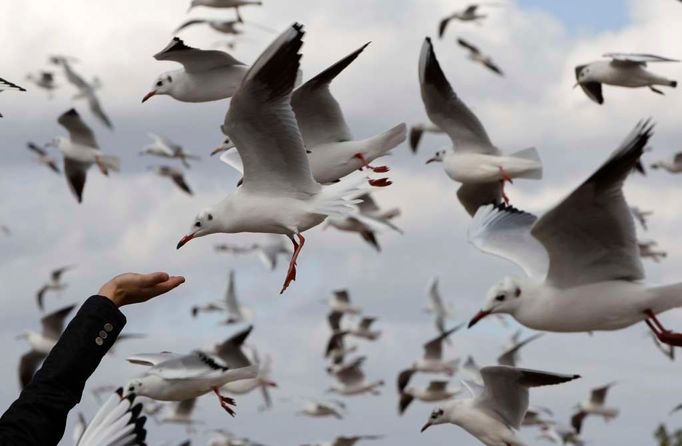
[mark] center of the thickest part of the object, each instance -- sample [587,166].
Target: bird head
[582,74]
[205,223]
[437,417]
[162,85]
[502,298]
[438,157]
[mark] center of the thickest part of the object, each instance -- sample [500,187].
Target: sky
[132,221]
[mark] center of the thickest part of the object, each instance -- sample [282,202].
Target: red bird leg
[365,164]
[291,275]
[665,336]
[504,194]
[381,182]
[505,176]
[226,403]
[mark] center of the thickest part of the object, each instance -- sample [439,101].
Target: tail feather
[666,297]
[341,199]
[109,162]
[530,154]
[380,145]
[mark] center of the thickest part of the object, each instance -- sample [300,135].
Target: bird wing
[194,59]
[577,421]
[7,85]
[367,205]
[179,180]
[442,26]
[189,23]
[505,232]
[97,110]
[509,356]
[474,195]
[152,359]
[334,319]
[677,159]
[231,352]
[366,323]
[506,391]
[446,110]
[598,395]
[57,273]
[76,174]
[468,46]
[434,348]
[36,149]
[342,296]
[590,236]
[436,299]
[404,378]
[185,407]
[263,126]
[231,296]
[636,58]
[79,132]
[119,421]
[352,373]
[53,323]
[318,113]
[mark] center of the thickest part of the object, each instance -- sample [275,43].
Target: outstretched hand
[133,288]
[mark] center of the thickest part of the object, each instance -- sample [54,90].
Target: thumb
[151,279]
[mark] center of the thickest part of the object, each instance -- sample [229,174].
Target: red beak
[147,96]
[480,315]
[184,240]
[432,160]
[271,384]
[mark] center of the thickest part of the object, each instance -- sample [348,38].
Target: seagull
[468,14]
[175,175]
[647,249]
[44,80]
[417,131]
[263,381]
[178,377]
[346,441]
[117,422]
[432,360]
[230,305]
[332,151]
[279,194]
[364,329]
[510,356]
[495,414]
[477,56]
[41,343]
[581,256]
[436,391]
[165,148]
[44,157]
[55,284]
[336,347]
[474,161]
[222,26]
[322,409]
[7,85]
[236,4]
[340,302]
[623,70]
[641,216]
[80,152]
[85,89]
[673,165]
[352,380]
[181,413]
[595,406]
[441,311]
[369,220]
[269,249]
[206,75]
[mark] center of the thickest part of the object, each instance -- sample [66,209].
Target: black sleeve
[38,416]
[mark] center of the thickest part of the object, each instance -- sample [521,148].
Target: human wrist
[113,293]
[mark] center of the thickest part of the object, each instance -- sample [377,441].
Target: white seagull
[623,70]
[340,302]
[369,220]
[352,380]
[581,256]
[279,194]
[175,175]
[322,409]
[441,311]
[7,85]
[165,148]
[418,130]
[44,80]
[469,14]
[671,165]
[495,414]
[43,156]
[118,421]
[595,406]
[477,56]
[268,249]
[41,343]
[263,381]
[473,161]
[54,284]
[206,75]
[80,152]
[236,313]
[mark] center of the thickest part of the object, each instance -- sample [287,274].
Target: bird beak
[432,160]
[426,426]
[184,240]
[271,384]
[576,85]
[148,95]
[218,150]
[480,315]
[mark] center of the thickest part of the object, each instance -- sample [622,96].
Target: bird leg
[365,164]
[381,182]
[505,178]
[664,335]
[291,274]
[102,167]
[656,90]
[226,403]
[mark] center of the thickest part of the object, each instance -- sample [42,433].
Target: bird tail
[381,144]
[108,163]
[341,199]
[530,154]
[666,297]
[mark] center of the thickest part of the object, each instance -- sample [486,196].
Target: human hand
[133,288]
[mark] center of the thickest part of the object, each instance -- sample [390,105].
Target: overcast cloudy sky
[132,221]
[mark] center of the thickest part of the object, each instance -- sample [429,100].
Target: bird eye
[197,224]
[517,292]
[159,83]
[499,297]
[210,217]
[170,79]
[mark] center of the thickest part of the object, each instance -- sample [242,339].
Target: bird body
[478,168]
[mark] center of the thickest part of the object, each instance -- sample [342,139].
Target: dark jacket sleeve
[38,416]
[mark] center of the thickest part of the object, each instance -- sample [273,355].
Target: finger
[152,279]
[164,287]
